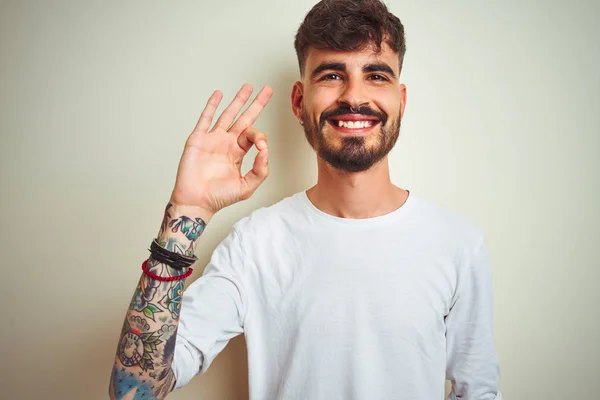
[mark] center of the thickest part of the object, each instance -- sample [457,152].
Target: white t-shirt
[332,308]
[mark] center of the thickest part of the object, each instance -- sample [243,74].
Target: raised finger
[249,116]
[209,111]
[250,137]
[232,110]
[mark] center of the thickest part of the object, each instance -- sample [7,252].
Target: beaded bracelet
[165,278]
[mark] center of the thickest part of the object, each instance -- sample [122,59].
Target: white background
[97,98]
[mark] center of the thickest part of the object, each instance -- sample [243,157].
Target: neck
[356,195]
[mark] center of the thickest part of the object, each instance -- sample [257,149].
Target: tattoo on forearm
[151,352]
[138,347]
[145,299]
[124,382]
[142,368]
[190,228]
[142,346]
[172,300]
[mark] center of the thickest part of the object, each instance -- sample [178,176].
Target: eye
[377,77]
[330,77]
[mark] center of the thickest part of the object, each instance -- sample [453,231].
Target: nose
[353,95]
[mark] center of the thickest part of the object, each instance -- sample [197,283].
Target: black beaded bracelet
[172,259]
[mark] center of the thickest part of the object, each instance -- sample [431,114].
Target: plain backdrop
[97,98]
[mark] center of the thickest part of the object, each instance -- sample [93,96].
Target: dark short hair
[349,25]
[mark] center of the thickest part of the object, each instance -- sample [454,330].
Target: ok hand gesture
[209,175]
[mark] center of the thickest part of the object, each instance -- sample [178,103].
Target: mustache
[346,110]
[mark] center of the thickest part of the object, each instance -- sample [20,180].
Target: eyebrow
[381,67]
[331,66]
[339,66]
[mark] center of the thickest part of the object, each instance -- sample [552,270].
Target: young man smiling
[354,289]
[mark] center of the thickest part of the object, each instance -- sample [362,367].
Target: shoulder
[271,219]
[447,225]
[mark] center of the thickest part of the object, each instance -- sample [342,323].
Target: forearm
[146,346]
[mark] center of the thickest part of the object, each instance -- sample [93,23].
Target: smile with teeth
[354,124]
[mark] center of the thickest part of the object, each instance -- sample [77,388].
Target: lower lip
[353,130]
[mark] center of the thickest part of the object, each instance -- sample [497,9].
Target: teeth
[355,124]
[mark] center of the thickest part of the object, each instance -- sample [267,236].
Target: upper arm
[213,309]
[472,365]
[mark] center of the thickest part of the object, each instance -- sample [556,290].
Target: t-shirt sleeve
[472,365]
[212,311]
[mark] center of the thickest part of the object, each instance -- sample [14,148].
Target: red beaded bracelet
[165,278]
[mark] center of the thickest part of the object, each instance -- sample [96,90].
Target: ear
[402,99]
[297,97]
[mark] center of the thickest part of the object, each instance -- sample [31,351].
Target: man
[354,289]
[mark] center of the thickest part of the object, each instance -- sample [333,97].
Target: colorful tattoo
[123,382]
[172,300]
[171,244]
[150,351]
[142,368]
[191,228]
[138,347]
[145,293]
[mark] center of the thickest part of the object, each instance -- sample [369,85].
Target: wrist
[182,210]
[200,210]
[181,227]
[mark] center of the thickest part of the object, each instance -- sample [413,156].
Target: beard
[351,153]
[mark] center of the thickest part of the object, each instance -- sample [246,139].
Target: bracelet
[165,278]
[172,259]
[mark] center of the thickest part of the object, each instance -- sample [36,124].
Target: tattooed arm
[208,179]
[142,368]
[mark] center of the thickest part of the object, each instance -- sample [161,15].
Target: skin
[345,194]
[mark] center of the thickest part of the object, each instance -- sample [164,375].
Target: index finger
[254,109]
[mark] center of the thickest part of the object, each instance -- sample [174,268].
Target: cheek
[391,110]
[389,102]
[317,101]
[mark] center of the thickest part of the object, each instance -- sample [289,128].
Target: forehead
[353,59]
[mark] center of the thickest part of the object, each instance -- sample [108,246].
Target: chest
[386,288]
